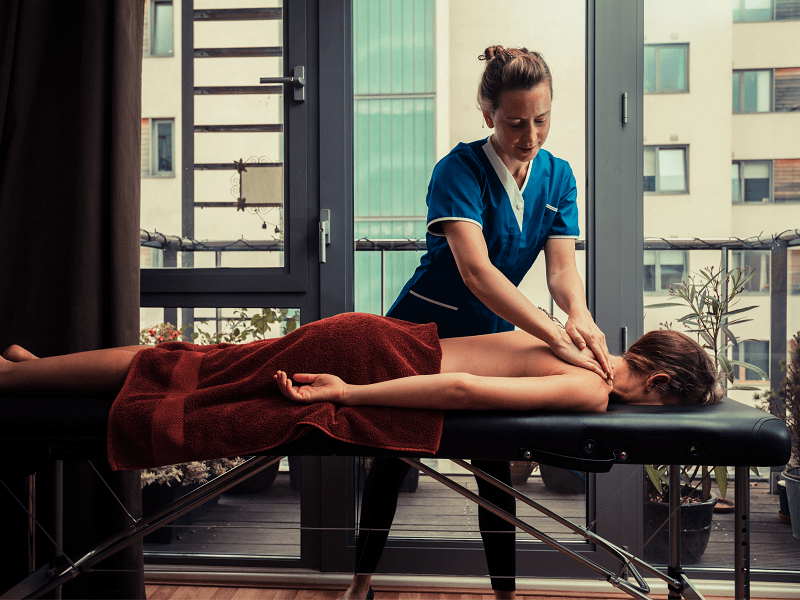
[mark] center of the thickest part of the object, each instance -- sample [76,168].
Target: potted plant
[784,401]
[710,295]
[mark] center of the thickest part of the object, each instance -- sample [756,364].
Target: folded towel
[183,402]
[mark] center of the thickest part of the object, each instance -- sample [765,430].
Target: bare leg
[101,371]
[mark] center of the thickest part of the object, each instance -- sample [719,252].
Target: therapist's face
[521,123]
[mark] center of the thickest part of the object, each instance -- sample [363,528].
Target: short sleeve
[455,191]
[565,224]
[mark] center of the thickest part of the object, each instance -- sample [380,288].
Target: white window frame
[658,191]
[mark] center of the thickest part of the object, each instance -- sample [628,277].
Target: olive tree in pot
[710,295]
[784,400]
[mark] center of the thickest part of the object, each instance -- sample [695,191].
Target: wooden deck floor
[267,523]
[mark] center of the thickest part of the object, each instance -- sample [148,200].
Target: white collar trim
[513,192]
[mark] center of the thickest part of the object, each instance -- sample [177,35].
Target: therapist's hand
[585,334]
[566,350]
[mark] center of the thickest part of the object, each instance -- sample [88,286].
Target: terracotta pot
[520,471]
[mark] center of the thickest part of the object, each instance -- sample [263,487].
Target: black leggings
[379,502]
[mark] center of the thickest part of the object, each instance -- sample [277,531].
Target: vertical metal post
[741,534]
[674,567]
[30,493]
[58,514]
[778,332]
[383,284]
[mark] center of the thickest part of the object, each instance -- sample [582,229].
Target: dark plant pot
[563,481]
[783,503]
[156,496]
[256,483]
[295,473]
[792,479]
[520,471]
[411,481]
[696,523]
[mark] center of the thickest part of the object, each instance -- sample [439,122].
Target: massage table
[38,429]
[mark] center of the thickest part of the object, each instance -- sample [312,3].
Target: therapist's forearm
[503,298]
[567,291]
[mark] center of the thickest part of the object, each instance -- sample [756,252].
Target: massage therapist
[493,205]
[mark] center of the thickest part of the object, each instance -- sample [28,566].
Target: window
[752,10]
[752,91]
[756,262]
[663,269]
[665,170]
[751,181]
[158,148]
[159,28]
[665,68]
[755,352]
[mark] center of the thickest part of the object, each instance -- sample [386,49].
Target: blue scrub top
[472,184]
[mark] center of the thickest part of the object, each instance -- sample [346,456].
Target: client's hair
[693,376]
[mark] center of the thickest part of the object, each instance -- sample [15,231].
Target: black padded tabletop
[728,433]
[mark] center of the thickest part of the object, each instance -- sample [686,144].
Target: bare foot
[358,589]
[16,353]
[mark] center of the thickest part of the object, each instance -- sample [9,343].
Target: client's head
[676,366]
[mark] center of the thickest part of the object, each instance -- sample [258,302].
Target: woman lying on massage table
[511,370]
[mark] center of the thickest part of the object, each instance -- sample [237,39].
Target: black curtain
[70,110]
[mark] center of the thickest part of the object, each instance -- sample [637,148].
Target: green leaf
[655,479]
[721,473]
[746,388]
[740,310]
[664,305]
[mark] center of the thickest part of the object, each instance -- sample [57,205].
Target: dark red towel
[183,402]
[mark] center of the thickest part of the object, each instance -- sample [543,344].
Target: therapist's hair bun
[510,69]
[693,375]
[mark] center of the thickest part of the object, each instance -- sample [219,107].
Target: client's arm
[572,391]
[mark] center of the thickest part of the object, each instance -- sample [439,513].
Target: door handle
[297,80]
[324,234]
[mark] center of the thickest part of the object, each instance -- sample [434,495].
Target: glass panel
[164,158]
[671,170]
[754,352]
[757,91]
[756,181]
[162,30]
[673,68]
[757,10]
[237,208]
[258,517]
[711,210]
[649,169]
[649,69]
[416,75]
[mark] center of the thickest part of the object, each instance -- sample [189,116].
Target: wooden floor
[168,592]
[267,523]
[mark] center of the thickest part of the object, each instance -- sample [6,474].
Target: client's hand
[315,388]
